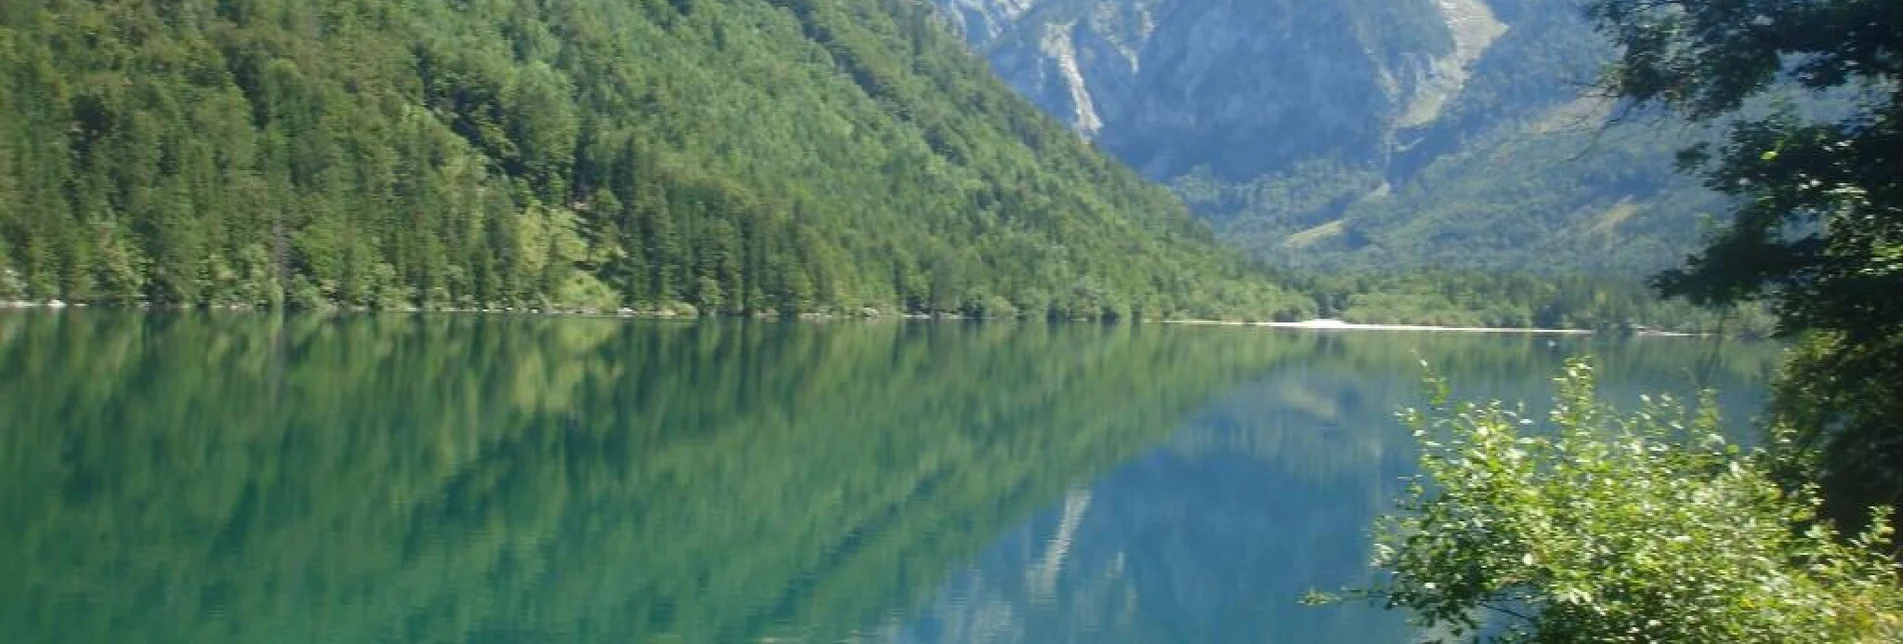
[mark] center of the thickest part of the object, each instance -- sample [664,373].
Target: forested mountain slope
[1451,133]
[741,156]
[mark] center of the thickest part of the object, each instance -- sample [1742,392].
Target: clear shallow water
[229,478]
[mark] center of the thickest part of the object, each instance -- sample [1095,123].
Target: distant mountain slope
[740,156]
[1241,87]
[1357,133]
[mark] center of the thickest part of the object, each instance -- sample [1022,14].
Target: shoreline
[867,315]
[1326,324]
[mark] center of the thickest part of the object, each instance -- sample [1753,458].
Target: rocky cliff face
[1296,125]
[982,20]
[1241,86]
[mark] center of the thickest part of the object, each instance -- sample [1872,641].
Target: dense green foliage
[502,479]
[739,156]
[1599,526]
[1818,225]
[1518,300]
[1839,400]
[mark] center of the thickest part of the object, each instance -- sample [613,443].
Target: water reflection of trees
[207,478]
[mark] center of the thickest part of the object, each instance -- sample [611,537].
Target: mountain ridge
[1348,135]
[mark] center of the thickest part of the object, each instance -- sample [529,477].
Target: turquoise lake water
[211,478]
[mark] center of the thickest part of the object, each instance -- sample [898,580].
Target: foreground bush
[1601,526]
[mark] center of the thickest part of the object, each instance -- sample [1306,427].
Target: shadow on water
[230,478]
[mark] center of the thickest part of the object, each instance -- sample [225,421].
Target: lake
[211,478]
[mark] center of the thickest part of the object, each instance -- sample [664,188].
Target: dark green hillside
[741,156]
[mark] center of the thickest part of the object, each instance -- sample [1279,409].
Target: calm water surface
[234,478]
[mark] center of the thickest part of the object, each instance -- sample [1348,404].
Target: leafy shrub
[1604,526]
